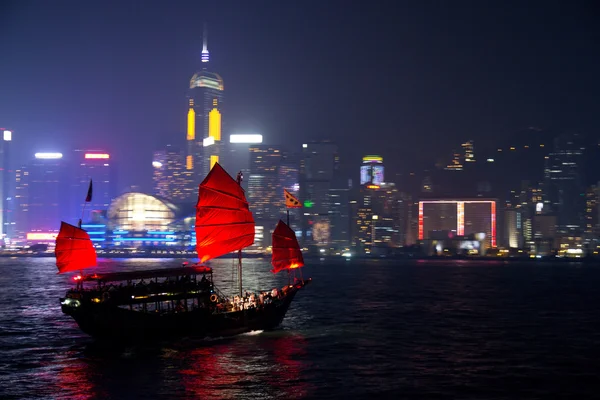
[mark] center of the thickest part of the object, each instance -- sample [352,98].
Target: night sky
[408,80]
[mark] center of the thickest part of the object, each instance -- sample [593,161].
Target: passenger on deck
[204,283]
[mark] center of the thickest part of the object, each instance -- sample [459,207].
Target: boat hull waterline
[110,322]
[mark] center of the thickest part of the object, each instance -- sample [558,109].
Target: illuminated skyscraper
[371,170]
[340,217]
[592,211]
[6,178]
[204,112]
[380,218]
[455,164]
[318,166]
[236,156]
[170,176]
[289,179]
[44,196]
[564,183]
[265,193]
[469,151]
[513,230]
[99,166]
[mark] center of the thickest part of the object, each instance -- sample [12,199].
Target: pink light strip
[493,224]
[460,218]
[420,220]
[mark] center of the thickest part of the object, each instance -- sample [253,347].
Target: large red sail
[224,222]
[74,249]
[286,251]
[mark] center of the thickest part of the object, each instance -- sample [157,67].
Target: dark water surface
[363,329]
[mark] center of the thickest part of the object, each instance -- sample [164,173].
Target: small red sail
[286,250]
[224,222]
[74,249]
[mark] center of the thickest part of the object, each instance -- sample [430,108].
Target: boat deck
[147,274]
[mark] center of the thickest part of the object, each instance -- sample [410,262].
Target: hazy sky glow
[393,78]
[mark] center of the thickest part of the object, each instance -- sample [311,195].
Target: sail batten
[74,249]
[224,222]
[286,250]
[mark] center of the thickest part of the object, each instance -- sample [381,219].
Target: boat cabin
[158,290]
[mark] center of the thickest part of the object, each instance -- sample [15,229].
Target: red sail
[286,251]
[74,249]
[224,222]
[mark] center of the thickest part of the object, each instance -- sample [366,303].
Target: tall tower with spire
[205,109]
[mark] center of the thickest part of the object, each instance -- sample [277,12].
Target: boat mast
[239,179]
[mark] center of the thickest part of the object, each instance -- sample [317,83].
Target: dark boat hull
[108,322]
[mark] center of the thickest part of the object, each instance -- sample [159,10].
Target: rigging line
[233,274]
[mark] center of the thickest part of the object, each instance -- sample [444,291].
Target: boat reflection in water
[268,366]
[74,379]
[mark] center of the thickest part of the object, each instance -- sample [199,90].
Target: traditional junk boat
[183,301]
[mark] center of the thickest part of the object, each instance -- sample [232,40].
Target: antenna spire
[205,56]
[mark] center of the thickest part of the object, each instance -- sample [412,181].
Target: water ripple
[412,330]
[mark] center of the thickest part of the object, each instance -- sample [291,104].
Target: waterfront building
[458,217]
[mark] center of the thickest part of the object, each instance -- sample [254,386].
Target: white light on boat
[48,155]
[71,302]
[347,254]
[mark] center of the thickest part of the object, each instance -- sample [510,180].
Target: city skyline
[300,84]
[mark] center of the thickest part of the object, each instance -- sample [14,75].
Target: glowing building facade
[236,157]
[204,120]
[340,217]
[138,220]
[592,211]
[99,166]
[513,228]
[563,181]
[458,217]
[6,178]
[379,220]
[43,195]
[371,170]
[318,165]
[265,193]
[170,178]
[469,151]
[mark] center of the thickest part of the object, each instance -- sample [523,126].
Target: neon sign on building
[97,156]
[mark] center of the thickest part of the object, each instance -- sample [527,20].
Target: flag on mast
[290,200]
[88,198]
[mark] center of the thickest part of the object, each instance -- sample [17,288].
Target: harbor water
[392,329]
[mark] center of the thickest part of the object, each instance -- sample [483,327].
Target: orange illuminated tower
[204,112]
